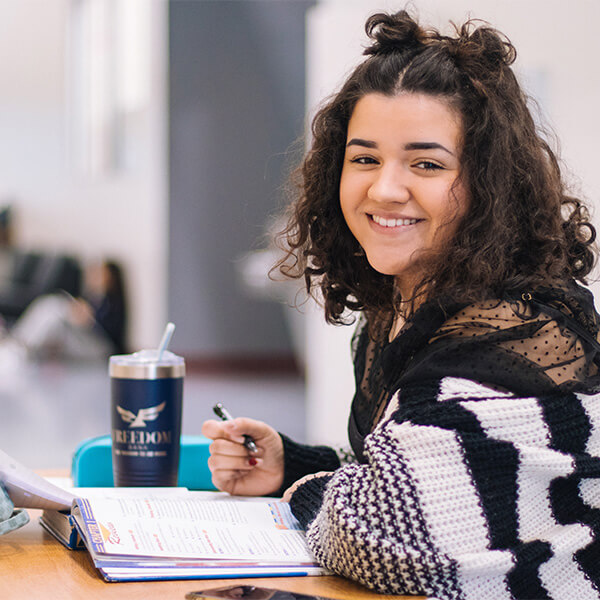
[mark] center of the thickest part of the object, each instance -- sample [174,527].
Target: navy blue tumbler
[146,417]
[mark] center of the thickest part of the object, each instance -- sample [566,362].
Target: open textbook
[146,535]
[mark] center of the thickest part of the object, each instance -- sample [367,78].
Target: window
[108,56]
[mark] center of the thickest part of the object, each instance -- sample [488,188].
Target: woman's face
[97,279]
[396,188]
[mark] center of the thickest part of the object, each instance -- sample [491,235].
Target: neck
[404,289]
[404,285]
[404,297]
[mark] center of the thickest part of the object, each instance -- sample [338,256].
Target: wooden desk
[33,565]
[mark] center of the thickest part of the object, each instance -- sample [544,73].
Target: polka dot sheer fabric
[556,350]
[530,343]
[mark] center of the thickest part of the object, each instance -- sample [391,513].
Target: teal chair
[92,463]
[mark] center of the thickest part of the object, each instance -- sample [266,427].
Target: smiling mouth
[394,222]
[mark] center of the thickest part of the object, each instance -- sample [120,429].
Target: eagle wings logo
[144,414]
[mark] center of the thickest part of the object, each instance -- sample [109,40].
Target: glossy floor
[47,409]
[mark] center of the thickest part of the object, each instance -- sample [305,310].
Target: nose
[390,184]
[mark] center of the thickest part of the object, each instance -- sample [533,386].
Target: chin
[386,270]
[380,261]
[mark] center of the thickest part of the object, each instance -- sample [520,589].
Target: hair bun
[482,44]
[391,33]
[475,42]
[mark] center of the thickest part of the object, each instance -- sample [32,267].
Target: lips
[403,222]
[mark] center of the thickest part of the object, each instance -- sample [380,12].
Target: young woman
[431,205]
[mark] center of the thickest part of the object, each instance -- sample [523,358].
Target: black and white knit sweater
[465,489]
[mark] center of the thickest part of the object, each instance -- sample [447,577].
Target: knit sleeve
[308,498]
[367,525]
[303,459]
[467,493]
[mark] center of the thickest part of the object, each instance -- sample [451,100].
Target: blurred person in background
[91,327]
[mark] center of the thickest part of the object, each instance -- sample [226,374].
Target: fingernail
[252,461]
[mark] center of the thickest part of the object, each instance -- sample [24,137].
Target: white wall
[557,45]
[119,215]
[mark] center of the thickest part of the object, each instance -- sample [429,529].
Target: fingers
[232,463]
[256,429]
[231,482]
[230,472]
[235,429]
[238,429]
[236,470]
[287,495]
[230,456]
[226,454]
[218,429]
[227,448]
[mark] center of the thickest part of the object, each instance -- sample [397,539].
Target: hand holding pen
[246,456]
[224,415]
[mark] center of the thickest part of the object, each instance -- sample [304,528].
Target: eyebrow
[361,142]
[426,146]
[409,146]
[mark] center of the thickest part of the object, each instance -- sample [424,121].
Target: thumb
[227,430]
[213,429]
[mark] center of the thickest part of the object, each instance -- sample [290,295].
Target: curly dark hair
[521,230]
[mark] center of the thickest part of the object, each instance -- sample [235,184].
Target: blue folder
[92,463]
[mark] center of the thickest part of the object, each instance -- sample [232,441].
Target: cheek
[462,202]
[347,195]
[451,207]
[353,189]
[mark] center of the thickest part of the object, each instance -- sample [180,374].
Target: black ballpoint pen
[224,415]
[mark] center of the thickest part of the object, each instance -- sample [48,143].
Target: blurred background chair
[32,274]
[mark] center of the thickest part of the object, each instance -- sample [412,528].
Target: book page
[192,528]
[58,523]
[190,508]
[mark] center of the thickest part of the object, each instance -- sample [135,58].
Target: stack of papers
[185,535]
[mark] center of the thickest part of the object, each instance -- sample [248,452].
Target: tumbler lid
[145,365]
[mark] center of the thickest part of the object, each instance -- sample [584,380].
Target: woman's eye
[363,160]
[427,165]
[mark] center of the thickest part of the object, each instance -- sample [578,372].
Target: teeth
[393,222]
